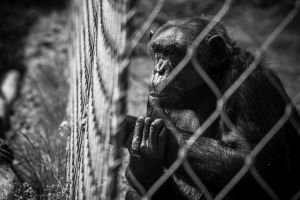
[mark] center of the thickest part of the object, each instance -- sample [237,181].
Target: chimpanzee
[187,101]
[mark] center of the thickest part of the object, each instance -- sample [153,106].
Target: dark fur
[220,152]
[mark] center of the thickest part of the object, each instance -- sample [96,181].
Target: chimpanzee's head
[168,46]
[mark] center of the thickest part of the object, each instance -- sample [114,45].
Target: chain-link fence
[97,99]
[98,67]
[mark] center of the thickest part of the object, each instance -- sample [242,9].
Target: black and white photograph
[150,100]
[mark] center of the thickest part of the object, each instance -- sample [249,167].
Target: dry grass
[38,136]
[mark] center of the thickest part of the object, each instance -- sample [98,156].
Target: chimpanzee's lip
[156,97]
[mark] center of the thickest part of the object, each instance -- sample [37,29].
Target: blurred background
[33,47]
[34,36]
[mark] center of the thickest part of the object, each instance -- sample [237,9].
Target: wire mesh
[97,99]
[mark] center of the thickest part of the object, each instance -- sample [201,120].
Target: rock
[8,180]
[8,93]
[9,86]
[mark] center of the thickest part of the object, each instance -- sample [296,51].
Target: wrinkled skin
[187,101]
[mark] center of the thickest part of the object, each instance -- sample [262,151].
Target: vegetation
[34,38]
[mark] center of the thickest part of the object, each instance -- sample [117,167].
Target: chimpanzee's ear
[151,34]
[219,50]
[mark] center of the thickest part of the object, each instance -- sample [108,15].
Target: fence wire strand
[97,100]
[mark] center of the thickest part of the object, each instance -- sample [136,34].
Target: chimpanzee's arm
[214,162]
[147,148]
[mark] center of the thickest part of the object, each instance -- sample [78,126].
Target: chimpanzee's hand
[147,150]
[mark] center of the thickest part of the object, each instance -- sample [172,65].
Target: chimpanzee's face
[169,46]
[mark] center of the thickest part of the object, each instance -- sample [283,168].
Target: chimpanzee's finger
[162,141]
[130,122]
[137,136]
[155,128]
[145,134]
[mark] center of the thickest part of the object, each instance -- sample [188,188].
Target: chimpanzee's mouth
[157,94]
[156,97]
